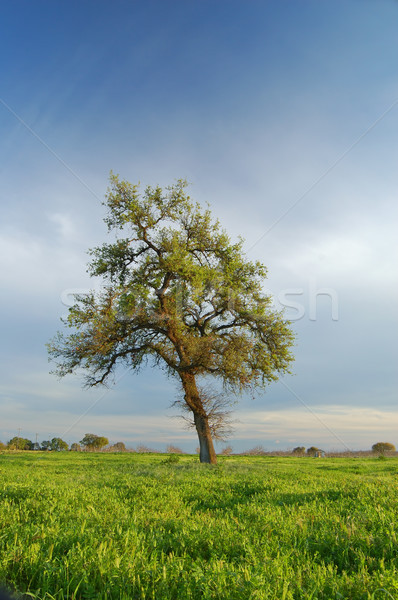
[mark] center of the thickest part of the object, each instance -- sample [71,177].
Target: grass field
[106,526]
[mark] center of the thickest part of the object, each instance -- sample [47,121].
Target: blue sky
[282,116]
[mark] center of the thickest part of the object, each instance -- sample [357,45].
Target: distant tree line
[90,442]
[381,448]
[311,451]
[95,443]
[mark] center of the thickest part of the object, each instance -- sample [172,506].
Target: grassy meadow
[130,526]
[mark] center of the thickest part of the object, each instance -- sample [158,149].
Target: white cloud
[65,226]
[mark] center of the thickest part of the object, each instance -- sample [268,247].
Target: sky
[283,116]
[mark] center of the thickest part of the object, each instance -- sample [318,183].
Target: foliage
[57,444]
[299,451]
[2,446]
[312,451]
[75,447]
[227,451]
[117,527]
[171,460]
[179,295]
[19,443]
[383,448]
[94,442]
[118,447]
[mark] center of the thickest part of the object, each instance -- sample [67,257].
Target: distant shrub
[76,447]
[299,451]
[118,447]
[226,451]
[256,451]
[2,446]
[312,451]
[383,448]
[171,460]
[170,449]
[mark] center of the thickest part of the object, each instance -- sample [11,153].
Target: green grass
[127,526]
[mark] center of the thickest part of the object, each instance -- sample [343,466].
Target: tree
[46,445]
[383,448]
[312,451]
[118,447]
[18,443]
[75,447]
[299,451]
[178,294]
[57,444]
[216,405]
[94,442]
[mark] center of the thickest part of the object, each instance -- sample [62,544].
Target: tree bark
[207,454]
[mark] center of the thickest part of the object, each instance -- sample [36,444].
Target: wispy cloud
[359,427]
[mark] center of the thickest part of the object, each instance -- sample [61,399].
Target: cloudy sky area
[284,117]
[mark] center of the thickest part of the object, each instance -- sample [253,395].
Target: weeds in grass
[171,460]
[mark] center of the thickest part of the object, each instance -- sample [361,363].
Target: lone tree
[178,294]
[94,442]
[383,448]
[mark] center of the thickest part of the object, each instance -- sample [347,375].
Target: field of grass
[128,526]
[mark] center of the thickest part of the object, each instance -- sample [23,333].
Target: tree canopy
[178,294]
[18,443]
[118,447]
[299,451]
[383,448]
[313,450]
[57,444]
[94,442]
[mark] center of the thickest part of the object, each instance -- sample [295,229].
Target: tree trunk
[207,453]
